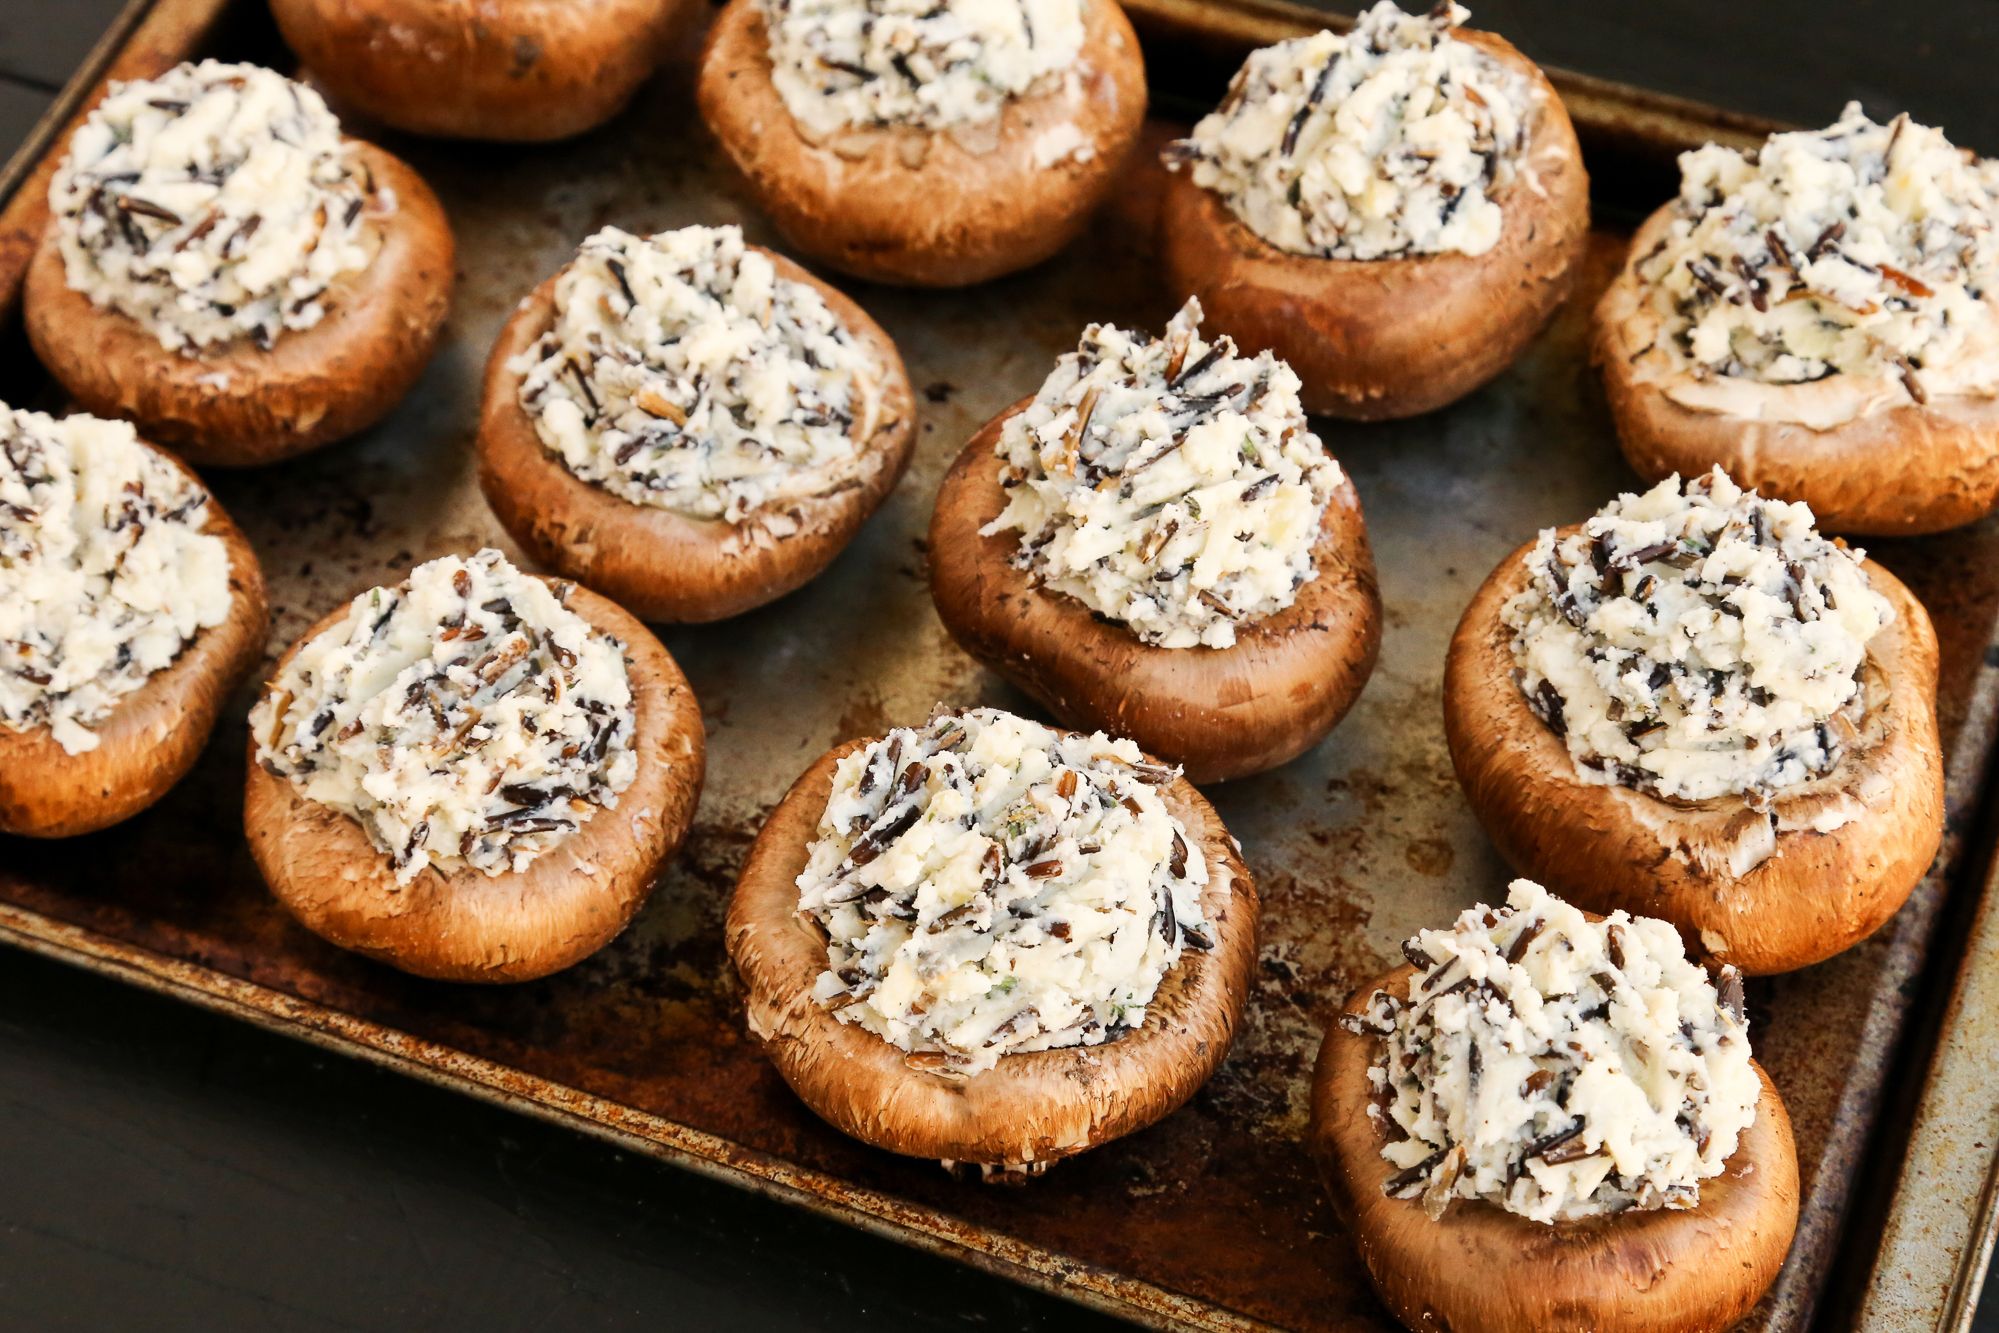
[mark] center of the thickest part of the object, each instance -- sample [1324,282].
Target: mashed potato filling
[1859,249]
[987,885]
[930,64]
[1557,1067]
[1169,484]
[1389,141]
[1696,641]
[105,572]
[464,717]
[682,372]
[214,203]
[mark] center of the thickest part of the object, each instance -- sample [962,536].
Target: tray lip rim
[444,1066]
[1904,1246]
[1660,116]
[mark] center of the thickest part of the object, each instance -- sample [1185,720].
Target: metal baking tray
[1212,1218]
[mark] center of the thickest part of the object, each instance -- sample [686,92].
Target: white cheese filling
[105,572]
[1696,641]
[930,64]
[1557,1067]
[1862,249]
[1395,139]
[1171,484]
[213,203]
[465,717]
[987,885]
[682,372]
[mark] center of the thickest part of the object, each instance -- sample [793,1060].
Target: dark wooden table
[162,1168]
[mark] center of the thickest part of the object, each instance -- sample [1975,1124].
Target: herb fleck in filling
[214,203]
[987,885]
[1392,140]
[1859,249]
[931,64]
[105,572]
[465,717]
[1171,485]
[1557,1067]
[682,372]
[1696,641]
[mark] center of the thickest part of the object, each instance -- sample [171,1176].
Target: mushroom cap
[1900,470]
[1481,1268]
[521,71]
[235,404]
[667,566]
[1220,713]
[1033,1107]
[1381,338]
[465,925]
[1846,849]
[152,737]
[958,215]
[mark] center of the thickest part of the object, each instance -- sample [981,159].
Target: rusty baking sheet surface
[1212,1217]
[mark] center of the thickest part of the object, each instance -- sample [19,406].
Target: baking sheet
[1212,1217]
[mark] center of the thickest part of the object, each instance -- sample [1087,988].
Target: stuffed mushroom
[1550,1120]
[989,942]
[474,775]
[936,146]
[1396,211]
[1157,545]
[226,270]
[516,70]
[692,425]
[1695,706]
[1821,318]
[130,606]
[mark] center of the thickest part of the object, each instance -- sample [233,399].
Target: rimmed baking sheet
[1211,1218]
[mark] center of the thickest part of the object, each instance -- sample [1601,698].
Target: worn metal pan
[1212,1218]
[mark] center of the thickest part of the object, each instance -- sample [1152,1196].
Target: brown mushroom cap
[465,925]
[1380,338]
[1220,713]
[237,405]
[1481,1268]
[1033,1107]
[663,565]
[956,217]
[520,71]
[152,737]
[1849,846]
[1895,471]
